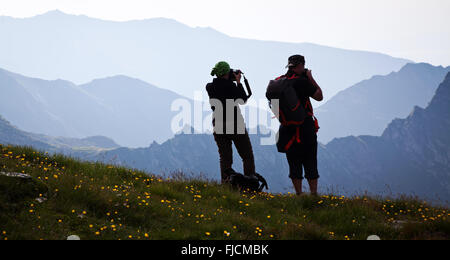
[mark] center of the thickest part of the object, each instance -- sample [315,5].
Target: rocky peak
[424,134]
[441,101]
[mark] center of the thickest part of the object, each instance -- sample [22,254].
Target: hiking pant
[244,148]
[303,156]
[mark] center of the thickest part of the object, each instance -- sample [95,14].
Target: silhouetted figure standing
[229,125]
[299,141]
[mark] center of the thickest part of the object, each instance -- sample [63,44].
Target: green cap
[221,69]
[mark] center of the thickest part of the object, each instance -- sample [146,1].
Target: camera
[232,74]
[232,77]
[305,73]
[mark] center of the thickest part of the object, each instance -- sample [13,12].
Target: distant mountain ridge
[424,135]
[128,110]
[369,106]
[11,135]
[95,142]
[411,157]
[167,53]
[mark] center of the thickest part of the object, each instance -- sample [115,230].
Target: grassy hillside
[97,201]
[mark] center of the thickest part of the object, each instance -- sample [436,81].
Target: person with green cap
[229,126]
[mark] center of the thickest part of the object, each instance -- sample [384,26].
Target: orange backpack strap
[297,135]
[295,138]
[297,106]
[288,146]
[316,122]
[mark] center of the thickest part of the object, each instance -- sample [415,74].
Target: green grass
[97,201]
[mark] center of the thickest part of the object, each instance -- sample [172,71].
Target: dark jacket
[230,97]
[304,135]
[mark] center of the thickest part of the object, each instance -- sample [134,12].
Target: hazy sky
[415,29]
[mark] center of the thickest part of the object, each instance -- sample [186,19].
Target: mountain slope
[424,136]
[412,156]
[11,135]
[96,142]
[128,110]
[143,111]
[167,53]
[29,114]
[369,106]
[95,201]
[56,108]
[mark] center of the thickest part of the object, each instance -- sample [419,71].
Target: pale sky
[414,29]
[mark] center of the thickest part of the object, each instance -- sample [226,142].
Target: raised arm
[318,95]
[239,92]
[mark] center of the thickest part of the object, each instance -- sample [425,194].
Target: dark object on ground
[16,187]
[254,183]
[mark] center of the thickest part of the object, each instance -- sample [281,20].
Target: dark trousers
[244,148]
[303,156]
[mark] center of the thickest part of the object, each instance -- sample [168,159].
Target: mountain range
[411,157]
[10,134]
[136,114]
[167,53]
[369,106]
[130,111]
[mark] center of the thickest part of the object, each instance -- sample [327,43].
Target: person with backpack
[226,93]
[297,137]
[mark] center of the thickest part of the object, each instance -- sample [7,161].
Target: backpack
[288,109]
[255,183]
